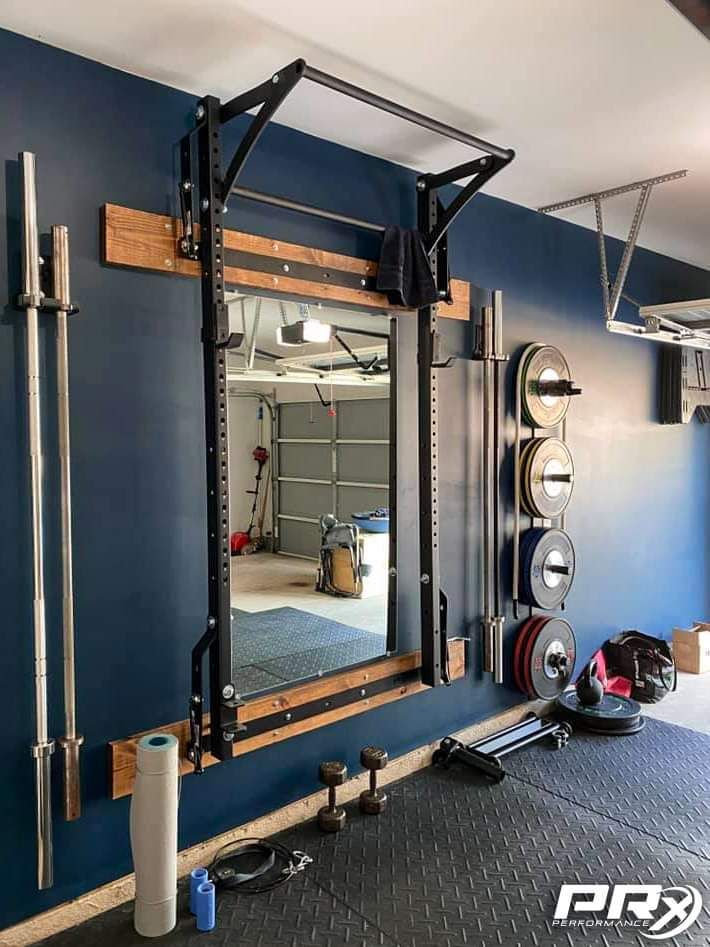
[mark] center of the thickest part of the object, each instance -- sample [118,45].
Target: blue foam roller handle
[205,907]
[198,876]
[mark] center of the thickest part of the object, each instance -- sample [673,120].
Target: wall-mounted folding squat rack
[205,191]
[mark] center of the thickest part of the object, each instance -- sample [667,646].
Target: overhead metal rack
[205,190]
[681,323]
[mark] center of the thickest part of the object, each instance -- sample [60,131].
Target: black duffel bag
[645,661]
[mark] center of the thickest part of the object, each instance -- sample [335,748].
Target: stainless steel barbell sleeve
[71,741]
[43,747]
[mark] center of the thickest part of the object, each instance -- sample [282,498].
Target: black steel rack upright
[205,191]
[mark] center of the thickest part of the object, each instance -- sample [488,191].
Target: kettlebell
[590,689]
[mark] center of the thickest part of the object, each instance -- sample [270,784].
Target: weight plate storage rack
[543,553]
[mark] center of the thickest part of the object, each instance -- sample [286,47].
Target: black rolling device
[486,754]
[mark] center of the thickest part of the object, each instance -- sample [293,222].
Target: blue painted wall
[639,515]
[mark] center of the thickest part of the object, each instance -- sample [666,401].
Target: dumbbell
[373,800]
[331,818]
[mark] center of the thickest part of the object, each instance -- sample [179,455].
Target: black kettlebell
[590,689]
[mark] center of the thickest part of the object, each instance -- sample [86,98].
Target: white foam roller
[153,821]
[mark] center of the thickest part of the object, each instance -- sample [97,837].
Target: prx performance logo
[658,912]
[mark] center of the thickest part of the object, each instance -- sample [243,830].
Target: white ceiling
[590,93]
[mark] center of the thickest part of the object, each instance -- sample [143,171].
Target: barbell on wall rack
[31,300]
[71,741]
[491,354]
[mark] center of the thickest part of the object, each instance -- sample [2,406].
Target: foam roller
[153,823]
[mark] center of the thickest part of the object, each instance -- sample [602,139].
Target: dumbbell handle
[373,780]
[331,797]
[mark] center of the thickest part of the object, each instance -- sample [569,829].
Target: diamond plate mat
[298,914]
[655,781]
[454,862]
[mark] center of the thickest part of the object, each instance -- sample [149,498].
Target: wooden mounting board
[136,238]
[122,753]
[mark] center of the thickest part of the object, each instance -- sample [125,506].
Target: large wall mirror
[312,450]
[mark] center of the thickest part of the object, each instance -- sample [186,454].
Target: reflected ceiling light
[307,330]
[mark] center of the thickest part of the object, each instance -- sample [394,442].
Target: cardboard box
[691,648]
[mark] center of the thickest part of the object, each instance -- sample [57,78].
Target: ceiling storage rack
[205,191]
[679,323]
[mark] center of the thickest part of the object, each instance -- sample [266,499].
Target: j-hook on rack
[206,187]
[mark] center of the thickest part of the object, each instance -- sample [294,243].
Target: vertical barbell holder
[71,741]
[31,301]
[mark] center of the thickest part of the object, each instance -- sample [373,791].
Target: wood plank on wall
[142,240]
[122,753]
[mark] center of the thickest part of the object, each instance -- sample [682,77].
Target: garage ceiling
[590,93]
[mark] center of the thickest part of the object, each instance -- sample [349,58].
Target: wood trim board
[122,753]
[142,240]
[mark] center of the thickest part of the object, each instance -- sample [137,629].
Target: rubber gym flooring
[455,861]
[278,645]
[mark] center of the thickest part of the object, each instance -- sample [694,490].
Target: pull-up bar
[409,115]
[270,94]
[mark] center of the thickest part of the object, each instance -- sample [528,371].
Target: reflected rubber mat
[289,644]
[320,660]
